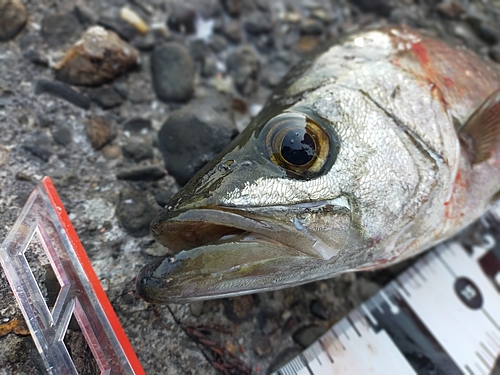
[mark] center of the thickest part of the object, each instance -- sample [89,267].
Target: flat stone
[99,56]
[13,17]
[173,72]
[100,131]
[119,26]
[62,91]
[58,29]
[134,212]
[182,18]
[105,97]
[62,134]
[191,137]
[137,125]
[39,145]
[258,23]
[138,149]
[244,67]
[141,173]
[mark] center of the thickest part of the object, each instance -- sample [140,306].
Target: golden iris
[298,144]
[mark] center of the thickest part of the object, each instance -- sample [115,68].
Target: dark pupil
[297,147]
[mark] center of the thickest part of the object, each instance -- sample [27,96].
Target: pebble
[156,249]
[100,131]
[163,197]
[137,125]
[141,173]
[267,321]
[318,309]
[13,17]
[218,43]
[450,9]
[258,23]
[137,149]
[62,134]
[105,97]
[125,30]
[173,72]
[261,344]
[84,15]
[311,26]
[182,18]
[232,31]
[38,144]
[134,212]
[36,57]
[191,137]
[99,56]
[306,335]
[196,308]
[232,7]
[239,309]
[58,29]
[62,91]
[244,67]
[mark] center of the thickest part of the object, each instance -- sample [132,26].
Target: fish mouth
[223,252]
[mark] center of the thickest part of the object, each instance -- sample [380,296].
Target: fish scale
[420,322]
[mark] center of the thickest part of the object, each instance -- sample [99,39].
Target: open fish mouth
[224,252]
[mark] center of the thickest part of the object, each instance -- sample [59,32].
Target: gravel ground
[119,146]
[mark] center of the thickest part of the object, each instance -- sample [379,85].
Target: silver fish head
[306,192]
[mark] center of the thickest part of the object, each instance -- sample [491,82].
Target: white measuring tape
[441,316]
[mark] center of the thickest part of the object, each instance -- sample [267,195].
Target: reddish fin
[481,132]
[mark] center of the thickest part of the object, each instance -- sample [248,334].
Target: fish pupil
[297,147]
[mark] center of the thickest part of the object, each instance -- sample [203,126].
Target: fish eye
[300,145]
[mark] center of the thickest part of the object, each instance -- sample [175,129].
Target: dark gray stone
[182,18]
[173,72]
[58,29]
[105,97]
[137,149]
[318,309]
[62,134]
[306,335]
[258,23]
[191,137]
[122,28]
[141,173]
[36,57]
[137,125]
[62,91]
[39,145]
[232,31]
[244,67]
[311,26]
[134,212]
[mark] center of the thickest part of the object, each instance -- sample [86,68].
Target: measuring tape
[441,316]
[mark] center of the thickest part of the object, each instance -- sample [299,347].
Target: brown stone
[100,131]
[99,56]
[13,17]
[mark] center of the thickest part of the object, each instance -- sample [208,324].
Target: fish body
[374,149]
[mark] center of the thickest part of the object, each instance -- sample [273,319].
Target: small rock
[218,43]
[99,56]
[84,15]
[119,26]
[450,9]
[173,72]
[318,309]
[484,30]
[261,344]
[137,150]
[62,134]
[244,67]
[62,91]
[13,17]
[163,197]
[36,57]
[111,152]
[134,212]
[381,7]
[141,173]
[105,97]
[267,322]
[209,67]
[130,16]
[232,7]
[100,131]
[306,335]
[137,125]
[311,26]
[182,18]
[146,42]
[191,137]
[199,50]
[156,249]
[196,308]
[258,23]
[39,145]
[58,29]
[232,31]
[239,309]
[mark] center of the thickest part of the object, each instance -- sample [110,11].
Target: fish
[375,148]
